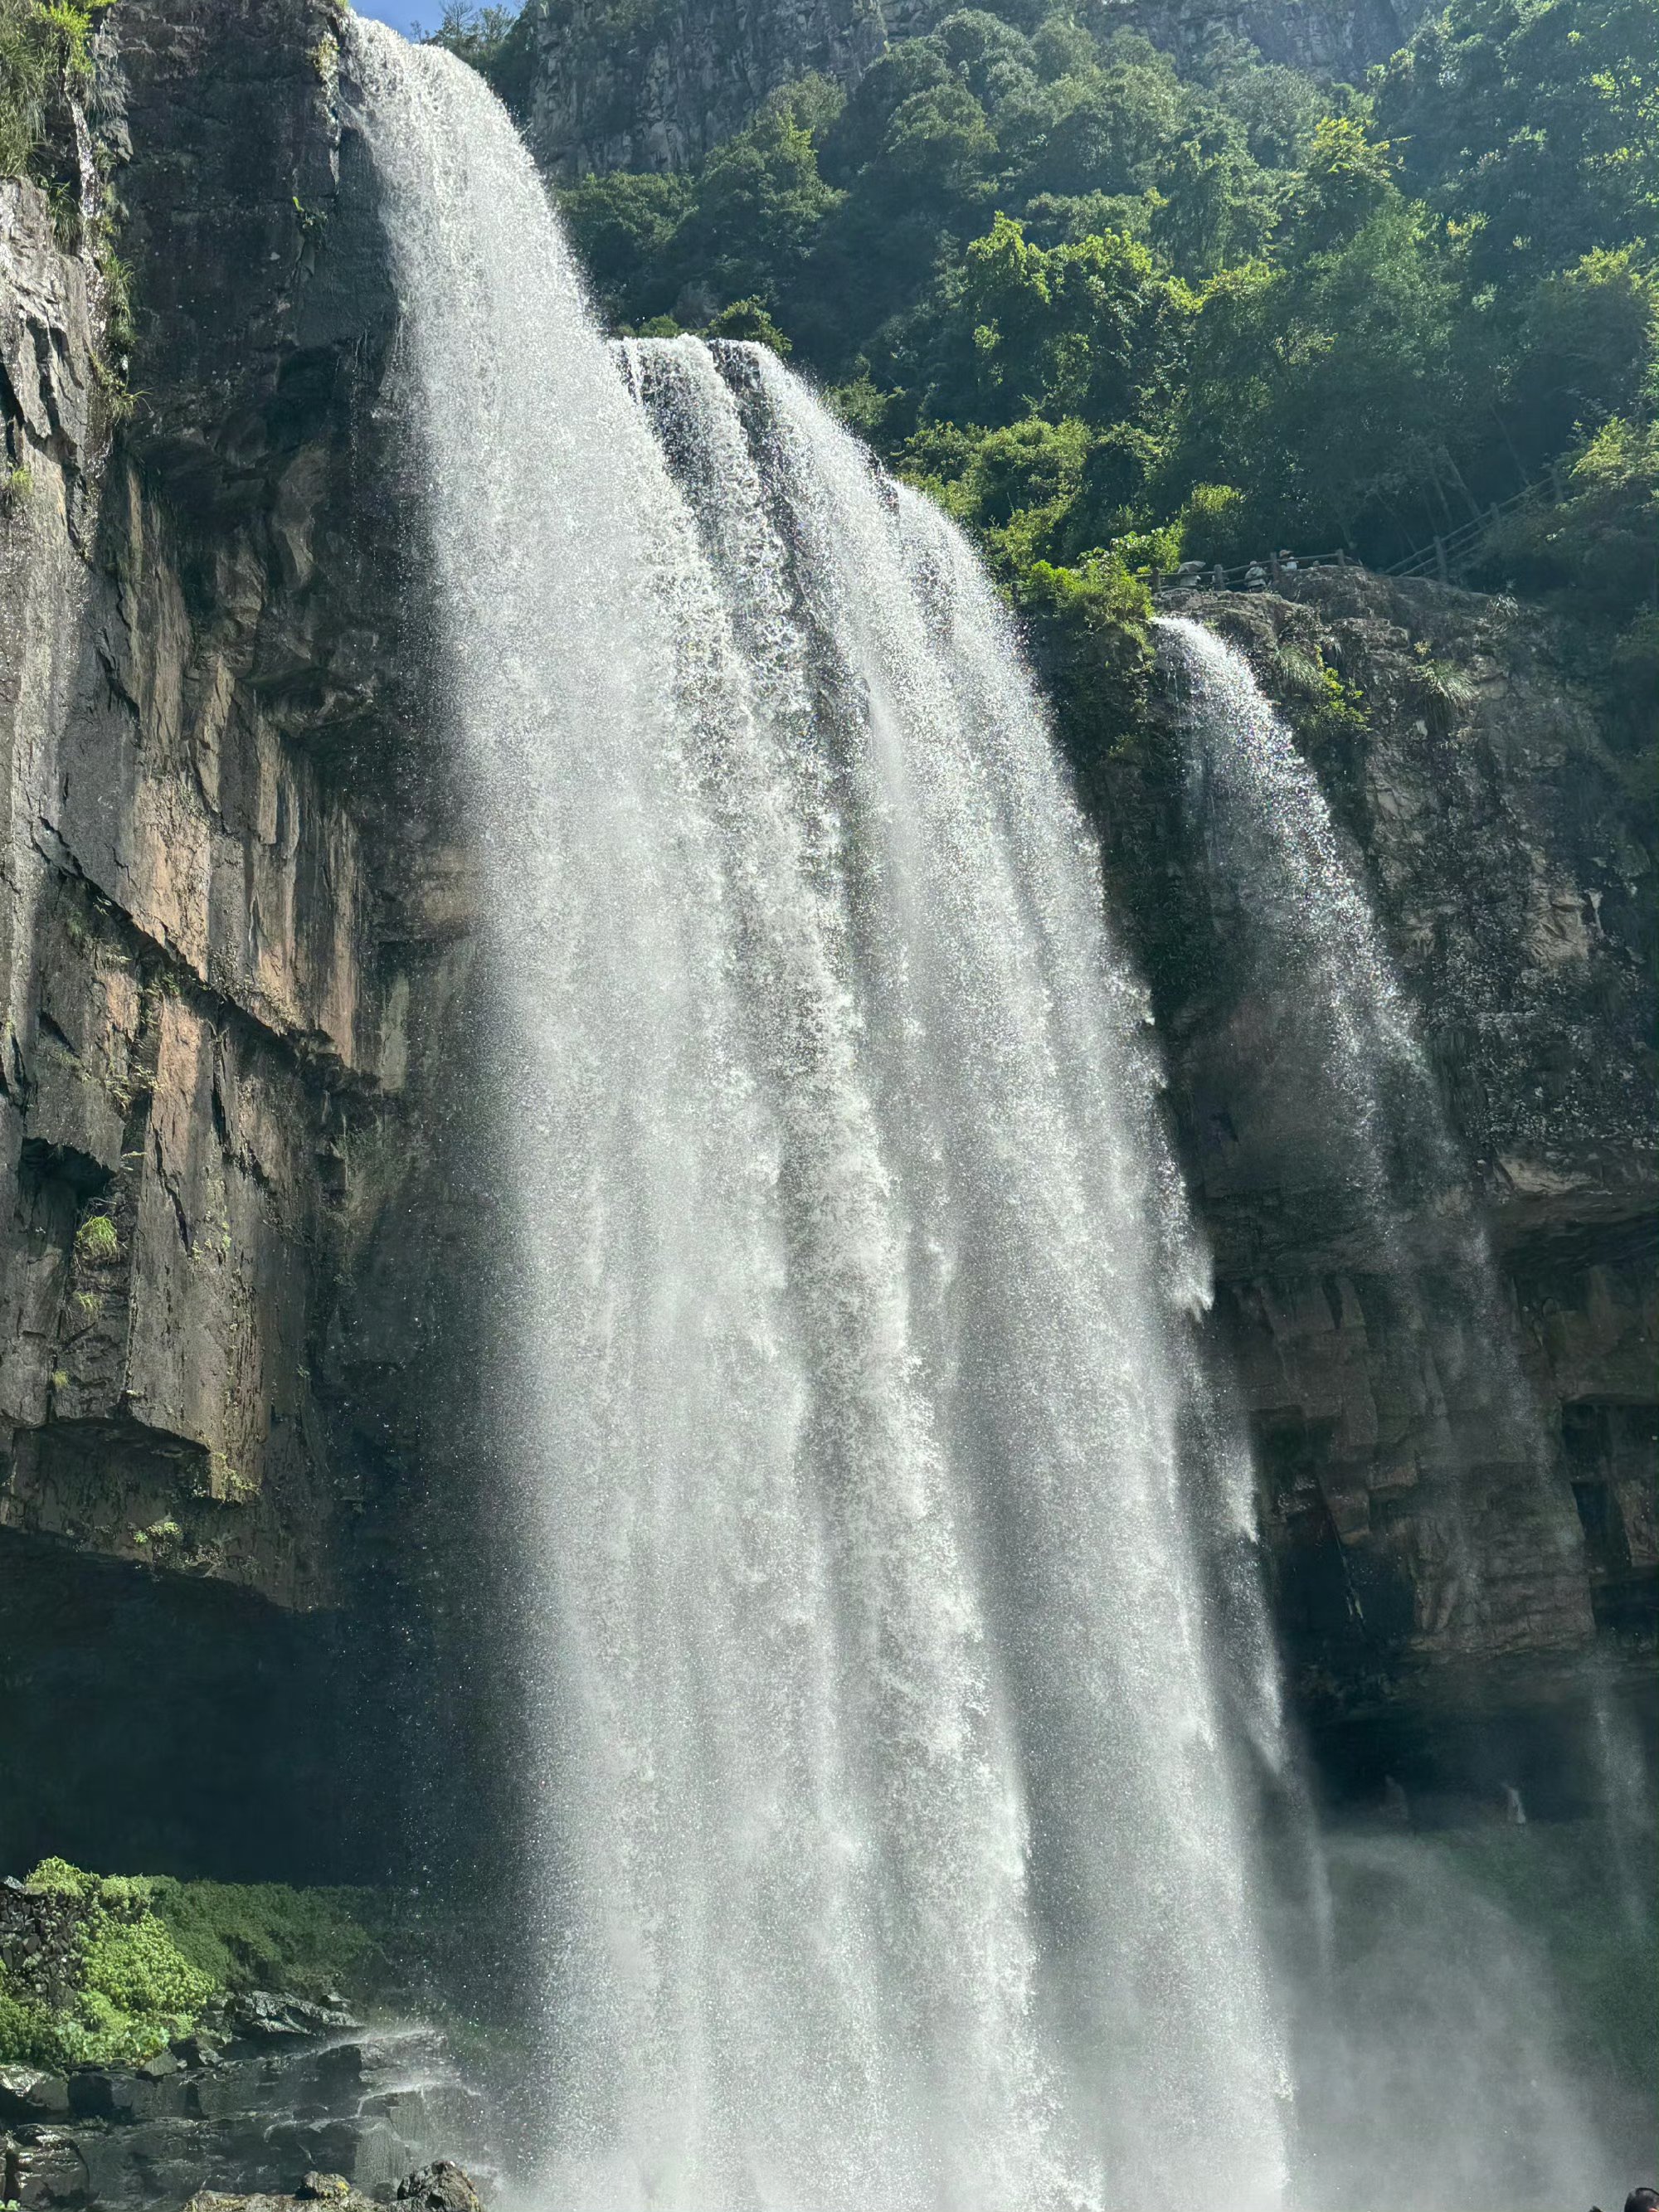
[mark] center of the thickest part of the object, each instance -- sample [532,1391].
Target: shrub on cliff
[111,1988]
[43,48]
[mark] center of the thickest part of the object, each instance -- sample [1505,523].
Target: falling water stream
[895,1847]
[886,1605]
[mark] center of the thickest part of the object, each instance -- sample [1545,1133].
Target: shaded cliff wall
[1503,834]
[616,86]
[234,953]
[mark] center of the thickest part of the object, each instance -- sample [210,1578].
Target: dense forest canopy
[1116,315]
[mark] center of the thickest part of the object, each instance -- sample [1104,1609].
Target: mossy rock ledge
[135,2071]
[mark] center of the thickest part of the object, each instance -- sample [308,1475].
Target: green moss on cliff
[96,1239]
[251,1936]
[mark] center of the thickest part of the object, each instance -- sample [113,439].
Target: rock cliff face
[615,86]
[275,2091]
[658,88]
[232,922]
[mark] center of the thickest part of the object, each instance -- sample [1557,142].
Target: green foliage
[249,1936]
[1584,342]
[748,319]
[758,205]
[1087,329]
[1215,524]
[624,228]
[1595,554]
[495,40]
[1322,708]
[1016,486]
[1091,626]
[1321,386]
[1098,597]
[44,48]
[16,489]
[45,59]
[1346,178]
[118,295]
[1536,121]
[1113,313]
[149,1953]
[162,1534]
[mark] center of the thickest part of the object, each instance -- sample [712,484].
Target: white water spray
[878,1546]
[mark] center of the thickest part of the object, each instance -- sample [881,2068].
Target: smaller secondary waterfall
[888,1848]
[1426,1994]
[1333,1027]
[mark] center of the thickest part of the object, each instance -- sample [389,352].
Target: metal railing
[1268,575]
[1443,557]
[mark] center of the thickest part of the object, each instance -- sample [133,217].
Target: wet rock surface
[196,1004]
[443,2187]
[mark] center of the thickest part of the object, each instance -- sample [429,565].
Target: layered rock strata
[233,919]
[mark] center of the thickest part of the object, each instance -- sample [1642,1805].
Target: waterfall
[888,1848]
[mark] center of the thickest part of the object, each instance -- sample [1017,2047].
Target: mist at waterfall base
[903,1771]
